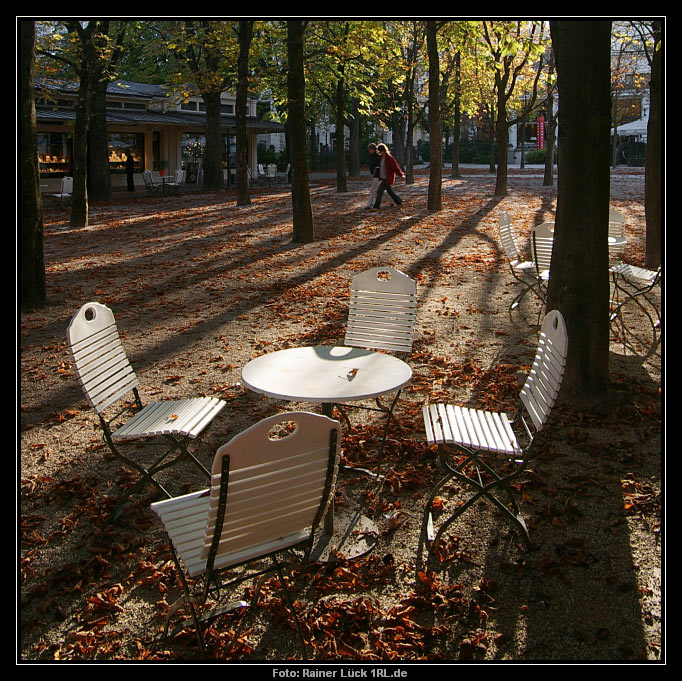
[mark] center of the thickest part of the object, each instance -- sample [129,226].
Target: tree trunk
[354,151]
[579,281]
[32,264]
[548,179]
[99,175]
[502,136]
[245,37]
[304,230]
[491,142]
[341,184]
[457,120]
[435,145]
[99,172]
[213,152]
[653,188]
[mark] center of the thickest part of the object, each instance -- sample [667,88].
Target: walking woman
[388,169]
[373,164]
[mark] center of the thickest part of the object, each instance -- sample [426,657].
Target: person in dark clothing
[130,170]
[374,163]
[388,169]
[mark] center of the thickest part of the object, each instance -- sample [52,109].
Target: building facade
[158,127]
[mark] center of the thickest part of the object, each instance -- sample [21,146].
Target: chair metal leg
[633,294]
[481,490]
[147,474]
[529,285]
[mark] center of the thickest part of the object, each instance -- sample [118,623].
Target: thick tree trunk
[354,151]
[32,264]
[304,231]
[213,152]
[502,136]
[341,184]
[579,281]
[99,175]
[245,37]
[653,188]
[79,197]
[548,179]
[435,200]
[457,119]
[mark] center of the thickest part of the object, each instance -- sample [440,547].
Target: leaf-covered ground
[199,287]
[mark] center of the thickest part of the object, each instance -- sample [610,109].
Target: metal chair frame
[153,188]
[522,271]
[467,437]
[214,519]
[542,242]
[107,377]
[381,316]
[65,191]
[635,283]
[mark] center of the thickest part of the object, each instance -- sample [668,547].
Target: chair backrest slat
[67,185]
[508,238]
[544,379]
[543,241]
[275,486]
[100,361]
[616,229]
[382,310]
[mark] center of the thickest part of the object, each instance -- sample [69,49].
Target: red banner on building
[541,132]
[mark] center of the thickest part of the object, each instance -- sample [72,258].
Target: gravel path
[199,287]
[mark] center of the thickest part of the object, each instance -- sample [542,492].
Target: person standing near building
[388,169]
[374,163]
[130,170]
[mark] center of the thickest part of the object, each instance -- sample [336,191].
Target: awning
[174,118]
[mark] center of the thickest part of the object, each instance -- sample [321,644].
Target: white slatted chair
[617,230]
[475,439]
[522,270]
[382,310]
[542,242]
[107,379]
[65,191]
[266,496]
[176,184]
[381,316]
[630,283]
[154,188]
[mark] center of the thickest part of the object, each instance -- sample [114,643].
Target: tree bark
[653,187]
[245,37]
[213,152]
[548,180]
[502,137]
[435,145]
[579,281]
[32,265]
[303,230]
[79,197]
[99,174]
[341,184]
[354,151]
[457,118]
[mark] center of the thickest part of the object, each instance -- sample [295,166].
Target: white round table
[330,375]
[325,374]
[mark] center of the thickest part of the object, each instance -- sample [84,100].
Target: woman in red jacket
[389,168]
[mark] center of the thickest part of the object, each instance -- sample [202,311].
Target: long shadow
[576,595]
[248,301]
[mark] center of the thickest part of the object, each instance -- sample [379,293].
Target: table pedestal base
[353,536]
